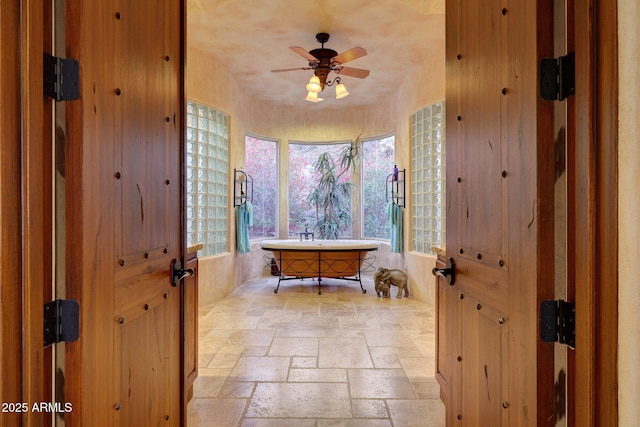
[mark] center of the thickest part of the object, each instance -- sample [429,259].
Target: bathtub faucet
[306,234]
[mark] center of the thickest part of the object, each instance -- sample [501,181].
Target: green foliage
[377,162]
[331,196]
[302,182]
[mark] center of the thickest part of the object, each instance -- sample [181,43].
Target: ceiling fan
[323,61]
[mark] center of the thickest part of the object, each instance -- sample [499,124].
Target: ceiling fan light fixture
[341,91]
[313,97]
[323,61]
[314,85]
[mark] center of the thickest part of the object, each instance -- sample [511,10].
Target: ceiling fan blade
[349,55]
[290,69]
[352,72]
[306,55]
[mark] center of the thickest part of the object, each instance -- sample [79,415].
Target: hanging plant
[332,194]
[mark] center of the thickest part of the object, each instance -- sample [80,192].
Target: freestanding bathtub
[342,259]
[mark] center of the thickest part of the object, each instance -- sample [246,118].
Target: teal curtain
[244,220]
[395,215]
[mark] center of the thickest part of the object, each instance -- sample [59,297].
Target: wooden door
[25,211]
[593,243]
[190,313]
[499,213]
[123,197]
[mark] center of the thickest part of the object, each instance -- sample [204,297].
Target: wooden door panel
[190,301]
[476,159]
[486,283]
[145,365]
[479,162]
[499,165]
[445,329]
[124,201]
[149,203]
[482,364]
[137,283]
[149,199]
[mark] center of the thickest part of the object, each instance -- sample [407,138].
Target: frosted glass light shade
[341,91]
[313,97]
[314,84]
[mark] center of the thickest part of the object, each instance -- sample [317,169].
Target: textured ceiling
[252,37]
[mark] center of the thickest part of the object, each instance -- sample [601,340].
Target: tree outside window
[377,164]
[302,181]
[261,163]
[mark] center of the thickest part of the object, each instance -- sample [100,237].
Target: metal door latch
[178,273]
[448,273]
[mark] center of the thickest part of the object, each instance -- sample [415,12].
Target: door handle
[449,272]
[178,273]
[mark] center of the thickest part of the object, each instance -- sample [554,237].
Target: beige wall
[211,83]
[629,206]
[423,86]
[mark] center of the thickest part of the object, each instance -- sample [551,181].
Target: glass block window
[207,178]
[377,164]
[428,178]
[261,163]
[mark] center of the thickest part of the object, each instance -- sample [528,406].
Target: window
[261,164]
[377,164]
[207,178]
[428,178]
[302,179]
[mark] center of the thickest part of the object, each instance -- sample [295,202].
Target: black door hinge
[61,78]
[61,321]
[558,322]
[558,77]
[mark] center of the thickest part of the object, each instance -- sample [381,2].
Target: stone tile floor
[300,359]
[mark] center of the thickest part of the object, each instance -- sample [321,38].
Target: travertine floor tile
[428,390]
[278,422]
[386,338]
[209,382]
[236,389]
[417,413]
[300,400]
[294,347]
[419,369]
[380,384]
[317,376]
[304,362]
[261,369]
[215,412]
[344,353]
[298,359]
[252,337]
[358,323]
[384,357]
[255,351]
[356,422]
[369,408]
